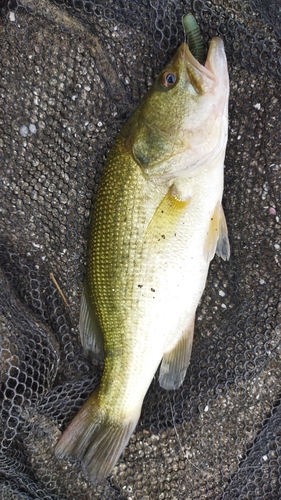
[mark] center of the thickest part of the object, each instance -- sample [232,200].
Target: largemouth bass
[156,225]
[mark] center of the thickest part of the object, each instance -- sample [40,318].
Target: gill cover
[152,146]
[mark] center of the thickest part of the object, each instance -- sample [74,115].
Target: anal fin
[90,331]
[175,362]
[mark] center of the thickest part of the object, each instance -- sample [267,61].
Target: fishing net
[71,72]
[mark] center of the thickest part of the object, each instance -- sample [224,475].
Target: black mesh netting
[71,72]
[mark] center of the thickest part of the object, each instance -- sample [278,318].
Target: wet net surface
[71,72]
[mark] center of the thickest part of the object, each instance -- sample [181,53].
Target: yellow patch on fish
[163,224]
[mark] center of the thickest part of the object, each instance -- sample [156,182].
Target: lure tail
[195,42]
[96,439]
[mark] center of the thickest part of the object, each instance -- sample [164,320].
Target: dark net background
[71,72]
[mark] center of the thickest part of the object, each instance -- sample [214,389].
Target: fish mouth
[205,77]
[190,60]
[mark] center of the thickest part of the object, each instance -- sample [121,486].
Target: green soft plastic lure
[195,42]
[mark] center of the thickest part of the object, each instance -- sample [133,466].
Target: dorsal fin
[90,331]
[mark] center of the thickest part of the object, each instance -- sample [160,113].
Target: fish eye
[168,79]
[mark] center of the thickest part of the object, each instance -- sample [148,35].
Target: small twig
[59,289]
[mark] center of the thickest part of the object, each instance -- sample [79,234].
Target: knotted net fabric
[71,72]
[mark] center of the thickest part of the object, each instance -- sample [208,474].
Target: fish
[157,222]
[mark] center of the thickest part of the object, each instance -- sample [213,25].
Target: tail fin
[96,438]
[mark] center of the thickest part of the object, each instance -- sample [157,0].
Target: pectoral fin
[175,363]
[167,216]
[217,237]
[90,331]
